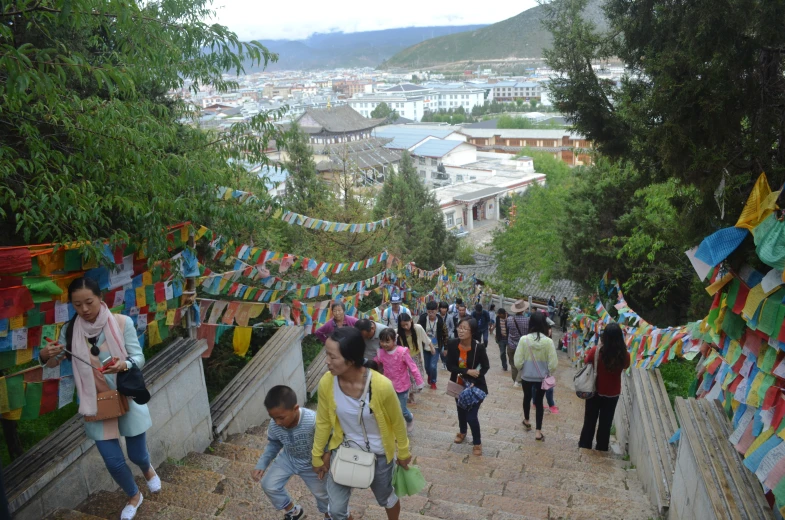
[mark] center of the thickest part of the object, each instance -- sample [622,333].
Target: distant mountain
[359,49]
[521,36]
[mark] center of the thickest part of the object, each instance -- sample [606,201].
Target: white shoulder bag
[355,467]
[586,378]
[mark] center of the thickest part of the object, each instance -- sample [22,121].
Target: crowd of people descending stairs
[358,438]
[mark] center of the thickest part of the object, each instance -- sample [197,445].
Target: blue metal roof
[404,137]
[275,174]
[436,148]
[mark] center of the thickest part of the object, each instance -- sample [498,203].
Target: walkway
[515,479]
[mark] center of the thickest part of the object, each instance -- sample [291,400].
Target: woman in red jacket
[613,360]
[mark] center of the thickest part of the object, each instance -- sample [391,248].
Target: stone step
[70,514]
[185,498]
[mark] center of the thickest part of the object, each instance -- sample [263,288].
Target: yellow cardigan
[385,406]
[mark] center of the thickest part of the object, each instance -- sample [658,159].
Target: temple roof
[335,120]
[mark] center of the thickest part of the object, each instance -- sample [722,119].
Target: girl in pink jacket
[396,363]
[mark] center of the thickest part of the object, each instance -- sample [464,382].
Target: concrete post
[496,204]
[469,218]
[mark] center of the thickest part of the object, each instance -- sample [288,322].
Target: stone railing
[64,468]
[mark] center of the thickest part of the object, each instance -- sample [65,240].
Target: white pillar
[496,203]
[469,218]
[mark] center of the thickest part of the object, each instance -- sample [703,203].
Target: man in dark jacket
[483,320]
[501,336]
[431,321]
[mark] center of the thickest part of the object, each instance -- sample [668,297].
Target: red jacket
[608,383]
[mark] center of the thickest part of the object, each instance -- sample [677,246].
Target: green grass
[35,430]
[677,375]
[311,349]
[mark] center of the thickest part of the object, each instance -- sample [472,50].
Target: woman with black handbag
[102,346]
[468,363]
[359,422]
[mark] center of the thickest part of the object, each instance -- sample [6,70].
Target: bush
[678,375]
[465,255]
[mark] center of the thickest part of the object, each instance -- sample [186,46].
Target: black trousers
[598,408]
[471,418]
[533,390]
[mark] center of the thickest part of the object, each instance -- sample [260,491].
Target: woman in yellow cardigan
[340,397]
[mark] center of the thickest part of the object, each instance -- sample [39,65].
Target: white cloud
[252,19]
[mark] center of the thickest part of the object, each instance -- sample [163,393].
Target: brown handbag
[111,405]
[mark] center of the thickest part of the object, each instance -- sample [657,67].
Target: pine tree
[305,190]
[384,111]
[419,230]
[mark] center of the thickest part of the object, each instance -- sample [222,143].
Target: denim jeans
[503,353]
[432,364]
[114,459]
[402,398]
[470,417]
[381,487]
[281,470]
[484,335]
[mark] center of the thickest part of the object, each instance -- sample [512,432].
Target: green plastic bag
[407,482]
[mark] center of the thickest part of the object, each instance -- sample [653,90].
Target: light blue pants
[381,486]
[278,474]
[114,459]
[402,398]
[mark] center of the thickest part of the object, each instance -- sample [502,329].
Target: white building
[489,179]
[453,96]
[512,90]
[409,107]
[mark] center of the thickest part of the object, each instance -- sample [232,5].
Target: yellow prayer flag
[141,299]
[13,415]
[242,340]
[200,233]
[17,322]
[147,278]
[24,356]
[153,334]
[719,284]
[170,314]
[256,310]
[184,233]
[753,397]
[763,437]
[754,298]
[760,204]
[160,307]
[4,408]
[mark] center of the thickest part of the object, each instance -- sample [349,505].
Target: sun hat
[519,306]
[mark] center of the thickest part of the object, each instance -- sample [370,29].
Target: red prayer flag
[739,362]
[16,260]
[14,302]
[779,412]
[781,336]
[741,298]
[49,396]
[735,383]
[207,333]
[34,375]
[34,337]
[712,368]
[770,397]
[160,292]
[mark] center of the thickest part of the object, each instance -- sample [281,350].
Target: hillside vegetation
[522,36]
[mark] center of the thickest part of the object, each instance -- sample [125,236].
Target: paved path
[515,479]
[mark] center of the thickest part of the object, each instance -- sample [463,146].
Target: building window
[434,162]
[422,173]
[459,178]
[451,218]
[422,160]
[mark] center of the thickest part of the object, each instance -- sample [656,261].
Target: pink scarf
[84,378]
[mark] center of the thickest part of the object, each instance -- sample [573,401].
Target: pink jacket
[397,365]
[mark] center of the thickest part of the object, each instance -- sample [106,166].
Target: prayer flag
[49,396]
[4,408]
[32,406]
[242,340]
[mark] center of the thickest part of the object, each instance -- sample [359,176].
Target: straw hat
[519,306]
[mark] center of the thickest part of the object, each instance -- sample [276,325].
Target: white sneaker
[410,426]
[129,511]
[154,484]
[517,384]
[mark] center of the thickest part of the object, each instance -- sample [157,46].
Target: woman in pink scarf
[109,340]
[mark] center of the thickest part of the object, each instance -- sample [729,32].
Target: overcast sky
[255,19]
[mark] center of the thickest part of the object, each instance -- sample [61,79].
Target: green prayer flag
[769,358]
[733,325]
[767,322]
[733,292]
[7,359]
[149,295]
[16,391]
[156,275]
[33,394]
[35,318]
[729,403]
[173,303]
[163,328]
[692,392]
[219,331]
[73,260]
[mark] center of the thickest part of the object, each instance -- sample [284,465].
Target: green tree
[418,228]
[92,144]
[383,111]
[305,189]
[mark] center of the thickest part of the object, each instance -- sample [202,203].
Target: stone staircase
[515,479]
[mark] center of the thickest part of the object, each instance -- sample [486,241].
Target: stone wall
[240,405]
[63,469]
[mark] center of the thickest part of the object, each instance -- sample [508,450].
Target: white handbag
[586,378]
[355,467]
